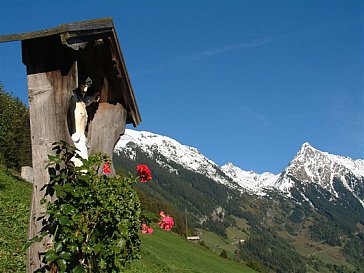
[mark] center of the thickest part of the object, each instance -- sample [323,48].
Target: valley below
[309,218]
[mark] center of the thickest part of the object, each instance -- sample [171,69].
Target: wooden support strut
[49,93]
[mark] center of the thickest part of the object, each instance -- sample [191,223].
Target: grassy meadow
[15,196]
[165,251]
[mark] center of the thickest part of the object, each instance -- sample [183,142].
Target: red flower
[166,222]
[144,173]
[106,168]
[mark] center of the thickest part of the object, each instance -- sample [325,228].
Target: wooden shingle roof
[76,36]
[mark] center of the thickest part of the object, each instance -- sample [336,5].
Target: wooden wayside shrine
[58,61]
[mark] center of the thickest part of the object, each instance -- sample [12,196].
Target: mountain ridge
[309,165]
[275,222]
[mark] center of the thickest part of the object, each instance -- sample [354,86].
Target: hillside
[15,196]
[161,252]
[170,253]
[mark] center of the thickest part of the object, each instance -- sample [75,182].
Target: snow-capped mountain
[161,148]
[310,166]
[250,180]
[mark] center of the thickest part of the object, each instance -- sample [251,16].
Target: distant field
[161,252]
[230,244]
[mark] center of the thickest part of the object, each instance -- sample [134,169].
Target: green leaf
[78,269]
[65,255]
[68,188]
[63,220]
[62,264]
[52,157]
[50,256]
[102,264]
[97,248]
[123,229]
[26,246]
[59,191]
[67,208]
[73,247]
[58,246]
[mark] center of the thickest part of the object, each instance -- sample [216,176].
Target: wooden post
[106,128]
[51,79]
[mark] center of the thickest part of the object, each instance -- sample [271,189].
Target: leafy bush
[94,221]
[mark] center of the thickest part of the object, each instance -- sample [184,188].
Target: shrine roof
[75,36]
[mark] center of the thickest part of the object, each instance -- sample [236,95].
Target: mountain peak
[229,165]
[250,180]
[306,145]
[309,156]
[312,166]
[307,150]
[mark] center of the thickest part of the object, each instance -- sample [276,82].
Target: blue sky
[243,81]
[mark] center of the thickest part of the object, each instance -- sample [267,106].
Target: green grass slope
[15,196]
[162,251]
[165,251]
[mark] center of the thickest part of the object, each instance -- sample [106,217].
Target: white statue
[77,119]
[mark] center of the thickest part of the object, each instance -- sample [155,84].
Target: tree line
[15,141]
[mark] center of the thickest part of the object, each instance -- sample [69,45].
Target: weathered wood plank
[49,95]
[106,128]
[92,26]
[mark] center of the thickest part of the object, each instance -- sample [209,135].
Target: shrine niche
[79,91]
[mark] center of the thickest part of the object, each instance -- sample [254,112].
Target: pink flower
[146,229]
[144,173]
[106,168]
[149,230]
[166,222]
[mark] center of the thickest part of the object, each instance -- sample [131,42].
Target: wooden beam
[106,128]
[49,94]
[91,26]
